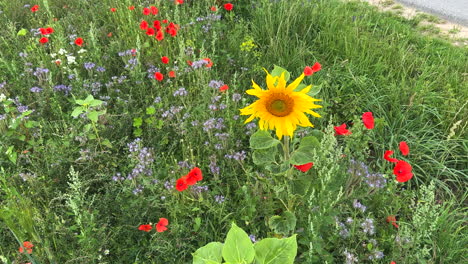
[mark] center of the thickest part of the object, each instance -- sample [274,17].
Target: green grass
[73,211]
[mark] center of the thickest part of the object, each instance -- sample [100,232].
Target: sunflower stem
[287,155]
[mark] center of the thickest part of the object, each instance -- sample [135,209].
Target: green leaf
[95,102]
[283,224]
[238,248]
[138,132]
[262,140]
[300,87]
[369,246]
[88,99]
[107,143]
[137,121]
[314,90]
[12,155]
[211,253]
[304,153]
[276,251]
[150,110]
[197,224]
[277,70]
[77,111]
[30,124]
[264,156]
[22,32]
[93,116]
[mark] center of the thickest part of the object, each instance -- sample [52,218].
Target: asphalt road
[452,10]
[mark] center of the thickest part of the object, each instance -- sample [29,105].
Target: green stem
[287,155]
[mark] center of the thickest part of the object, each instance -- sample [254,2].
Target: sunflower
[281,107]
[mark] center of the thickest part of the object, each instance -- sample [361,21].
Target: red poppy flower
[304,167]
[196,173]
[26,245]
[391,219]
[172,29]
[341,130]
[190,179]
[213,8]
[146,11]
[161,226]
[131,7]
[43,40]
[387,155]
[228,6]
[172,74]
[144,25]
[404,148]
[179,2]
[402,171]
[160,35]
[109,34]
[210,63]
[164,21]
[157,25]
[393,262]
[368,120]
[164,59]
[189,63]
[154,10]
[223,88]
[35,8]
[49,30]
[43,31]
[308,71]
[145,228]
[79,41]
[113,9]
[150,31]
[158,76]
[316,67]
[181,184]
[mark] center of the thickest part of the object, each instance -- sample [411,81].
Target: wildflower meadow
[216,131]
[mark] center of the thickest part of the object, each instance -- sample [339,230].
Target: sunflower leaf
[211,253]
[304,154]
[262,140]
[238,248]
[277,71]
[276,251]
[264,156]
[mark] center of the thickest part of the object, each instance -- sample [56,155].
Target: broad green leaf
[95,102]
[314,90]
[30,124]
[88,99]
[93,116]
[277,71]
[211,253]
[77,111]
[12,155]
[262,140]
[304,153]
[22,32]
[276,251]
[150,110]
[238,248]
[283,224]
[300,87]
[80,102]
[107,143]
[137,121]
[264,156]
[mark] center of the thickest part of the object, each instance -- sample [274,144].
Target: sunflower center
[279,104]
